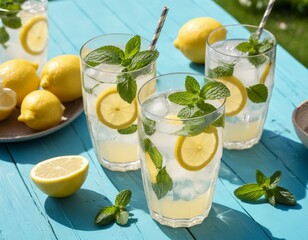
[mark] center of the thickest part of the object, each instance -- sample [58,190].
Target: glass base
[175,223]
[120,167]
[241,145]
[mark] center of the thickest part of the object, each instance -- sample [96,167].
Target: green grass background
[294,37]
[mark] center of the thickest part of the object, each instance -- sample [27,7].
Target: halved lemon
[34,35]
[60,176]
[194,153]
[113,111]
[265,73]
[238,98]
[8,101]
[152,170]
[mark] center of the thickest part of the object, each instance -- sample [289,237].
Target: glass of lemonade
[245,64]
[180,135]
[24,30]
[114,66]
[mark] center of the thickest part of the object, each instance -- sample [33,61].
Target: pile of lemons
[40,99]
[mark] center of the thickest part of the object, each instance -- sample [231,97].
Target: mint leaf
[142,59]
[283,196]
[244,46]
[249,192]
[266,45]
[105,54]
[12,21]
[132,47]
[106,215]
[126,87]
[224,70]
[270,197]
[149,126]
[123,198]
[193,128]
[257,93]
[192,85]
[163,183]
[155,155]
[214,90]
[258,60]
[274,179]
[129,130]
[188,112]
[220,122]
[260,177]
[121,217]
[4,36]
[183,98]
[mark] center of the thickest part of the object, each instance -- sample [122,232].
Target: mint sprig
[117,212]
[130,59]
[224,70]
[267,187]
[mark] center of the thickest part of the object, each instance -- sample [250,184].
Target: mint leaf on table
[117,212]
[126,87]
[267,187]
[257,93]
[129,130]
[163,183]
[225,70]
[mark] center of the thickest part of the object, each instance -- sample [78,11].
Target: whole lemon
[191,39]
[41,110]
[61,76]
[20,76]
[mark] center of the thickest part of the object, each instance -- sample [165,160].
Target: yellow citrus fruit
[194,153]
[113,111]
[265,73]
[238,95]
[7,102]
[60,176]
[41,110]
[152,170]
[61,76]
[191,39]
[20,76]
[33,35]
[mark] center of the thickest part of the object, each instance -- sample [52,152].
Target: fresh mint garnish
[192,85]
[155,155]
[257,93]
[225,70]
[267,187]
[116,212]
[130,59]
[214,90]
[183,98]
[163,184]
[129,130]
[149,126]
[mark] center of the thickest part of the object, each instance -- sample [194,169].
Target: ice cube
[158,107]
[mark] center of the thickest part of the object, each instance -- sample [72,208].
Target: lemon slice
[265,73]
[152,170]
[113,111]
[238,98]
[60,176]
[8,101]
[34,34]
[194,153]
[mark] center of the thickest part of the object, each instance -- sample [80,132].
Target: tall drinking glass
[24,31]
[111,120]
[180,156]
[246,65]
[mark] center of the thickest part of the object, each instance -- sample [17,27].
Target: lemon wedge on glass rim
[8,101]
[60,176]
[113,111]
[33,35]
[196,152]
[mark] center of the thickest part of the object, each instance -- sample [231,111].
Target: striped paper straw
[265,17]
[159,27]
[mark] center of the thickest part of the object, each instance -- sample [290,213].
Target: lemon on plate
[61,76]
[41,110]
[238,95]
[60,176]
[33,35]
[113,111]
[191,39]
[20,76]
[7,102]
[194,153]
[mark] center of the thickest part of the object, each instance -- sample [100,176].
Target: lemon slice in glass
[265,73]
[238,98]
[113,111]
[8,101]
[34,35]
[60,176]
[194,153]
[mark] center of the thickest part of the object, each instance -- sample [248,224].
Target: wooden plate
[11,130]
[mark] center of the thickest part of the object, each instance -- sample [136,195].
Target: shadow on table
[273,153]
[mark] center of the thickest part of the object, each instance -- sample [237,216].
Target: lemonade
[109,95]
[245,65]
[24,31]
[181,146]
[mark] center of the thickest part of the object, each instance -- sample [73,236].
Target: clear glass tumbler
[112,121]
[24,31]
[180,157]
[245,64]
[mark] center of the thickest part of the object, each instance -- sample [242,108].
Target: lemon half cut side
[34,35]
[60,176]
[196,152]
[113,111]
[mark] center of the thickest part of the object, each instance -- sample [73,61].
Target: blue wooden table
[26,213]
